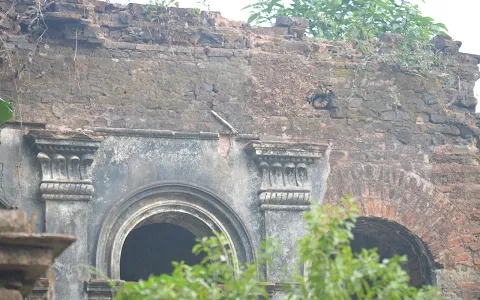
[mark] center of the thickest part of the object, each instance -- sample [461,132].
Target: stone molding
[184,204]
[102,289]
[65,162]
[285,170]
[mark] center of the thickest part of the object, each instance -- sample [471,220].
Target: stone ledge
[155,133]
[44,140]
[285,207]
[103,290]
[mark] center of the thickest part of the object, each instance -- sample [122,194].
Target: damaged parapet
[66,165]
[24,257]
[96,23]
[286,172]
[296,26]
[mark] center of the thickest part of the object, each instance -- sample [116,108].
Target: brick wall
[403,144]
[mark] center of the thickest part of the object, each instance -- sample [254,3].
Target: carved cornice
[66,165]
[47,142]
[285,169]
[287,151]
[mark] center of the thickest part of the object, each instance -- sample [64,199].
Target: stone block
[467,101]
[339,113]
[473,286]
[437,118]
[271,30]
[121,45]
[449,129]
[467,132]
[430,98]
[296,46]
[6,294]
[91,31]
[402,115]
[460,118]
[286,21]
[17,39]
[404,135]
[387,116]
[218,52]
[125,17]
[445,43]
[13,221]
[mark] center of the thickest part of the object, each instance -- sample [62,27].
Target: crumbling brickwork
[404,144]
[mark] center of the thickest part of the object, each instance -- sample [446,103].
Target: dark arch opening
[151,249]
[391,238]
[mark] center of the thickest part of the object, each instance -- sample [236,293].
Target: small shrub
[361,22]
[351,19]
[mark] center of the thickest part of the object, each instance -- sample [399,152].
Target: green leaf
[396,27]
[253,17]
[6,111]
[273,3]
[441,25]
[248,6]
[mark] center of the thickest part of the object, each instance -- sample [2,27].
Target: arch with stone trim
[194,208]
[406,198]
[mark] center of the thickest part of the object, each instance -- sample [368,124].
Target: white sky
[459,16]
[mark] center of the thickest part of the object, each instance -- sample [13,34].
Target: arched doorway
[151,249]
[184,208]
[391,238]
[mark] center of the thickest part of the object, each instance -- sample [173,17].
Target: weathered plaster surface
[404,145]
[20,176]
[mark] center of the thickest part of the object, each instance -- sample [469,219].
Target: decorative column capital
[66,164]
[286,172]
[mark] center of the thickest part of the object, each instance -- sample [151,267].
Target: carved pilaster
[286,172]
[66,165]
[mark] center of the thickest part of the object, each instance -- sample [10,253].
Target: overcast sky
[460,16]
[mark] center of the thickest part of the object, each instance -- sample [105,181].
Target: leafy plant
[216,277]
[361,22]
[332,270]
[6,110]
[414,57]
[351,19]
[157,10]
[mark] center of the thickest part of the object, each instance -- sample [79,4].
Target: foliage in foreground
[6,110]
[214,278]
[335,272]
[332,270]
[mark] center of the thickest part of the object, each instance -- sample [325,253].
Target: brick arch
[404,197]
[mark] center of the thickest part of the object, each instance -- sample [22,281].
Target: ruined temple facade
[114,141]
